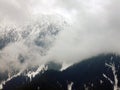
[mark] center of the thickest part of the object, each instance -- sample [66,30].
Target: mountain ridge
[90,74]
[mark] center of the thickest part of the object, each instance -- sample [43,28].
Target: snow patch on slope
[41,69]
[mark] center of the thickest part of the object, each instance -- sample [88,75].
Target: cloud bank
[65,31]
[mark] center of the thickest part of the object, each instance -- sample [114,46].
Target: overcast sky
[92,28]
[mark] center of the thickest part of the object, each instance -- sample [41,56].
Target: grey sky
[92,28]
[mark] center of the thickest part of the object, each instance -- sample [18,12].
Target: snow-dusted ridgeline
[41,69]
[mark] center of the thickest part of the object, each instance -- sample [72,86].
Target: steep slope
[97,73]
[23,44]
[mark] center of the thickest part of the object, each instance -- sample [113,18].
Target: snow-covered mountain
[97,73]
[22,47]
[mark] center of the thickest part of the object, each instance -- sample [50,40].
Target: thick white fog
[65,31]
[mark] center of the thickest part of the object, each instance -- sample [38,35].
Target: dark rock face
[96,73]
[8,37]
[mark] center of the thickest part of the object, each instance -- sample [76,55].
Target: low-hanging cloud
[95,30]
[67,31]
